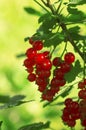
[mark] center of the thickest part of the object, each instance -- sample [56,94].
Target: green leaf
[36,126]
[71,76]
[72,10]
[75,33]
[75,17]
[32,11]
[48,22]
[14,101]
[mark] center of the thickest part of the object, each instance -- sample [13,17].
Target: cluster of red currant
[76,110]
[82,103]
[39,67]
[70,112]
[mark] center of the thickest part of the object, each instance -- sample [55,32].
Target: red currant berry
[43,73]
[46,65]
[54,89]
[71,122]
[31,53]
[55,82]
[58,73]
[81,85]
[46,54]
[39,58]
[65,67]
[42,87]
[31,77]
[38,45]
[83,122]
[30,69]
[68,101]
[82,94]
[40,81]
[29,63]
[56,61]
[69,57]
[62,82]
[31,40]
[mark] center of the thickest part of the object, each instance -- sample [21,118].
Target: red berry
[46,65]
[81,85]
[29,63]
[82,94]
[71,122]
[47,96]
[69,57]
[46,54]
[56,61]
[55,82]
[54,89]
[39,58]
[29,69]
[83,122]
[58,73]
[31,40]
[68,101]
[31,77]
[31,53]
[42,87]
[65,67]
[40,81]
[84,81]
[43,73]
[38,45]
[62,82]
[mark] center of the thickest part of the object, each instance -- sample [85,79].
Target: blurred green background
[15,25]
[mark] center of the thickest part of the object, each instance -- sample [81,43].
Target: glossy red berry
[46,54]
[46,65]
[69,57]
[38,45]
[31,53]
[31,77]
[39,58]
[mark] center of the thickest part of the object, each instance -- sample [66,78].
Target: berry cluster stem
[64,28]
